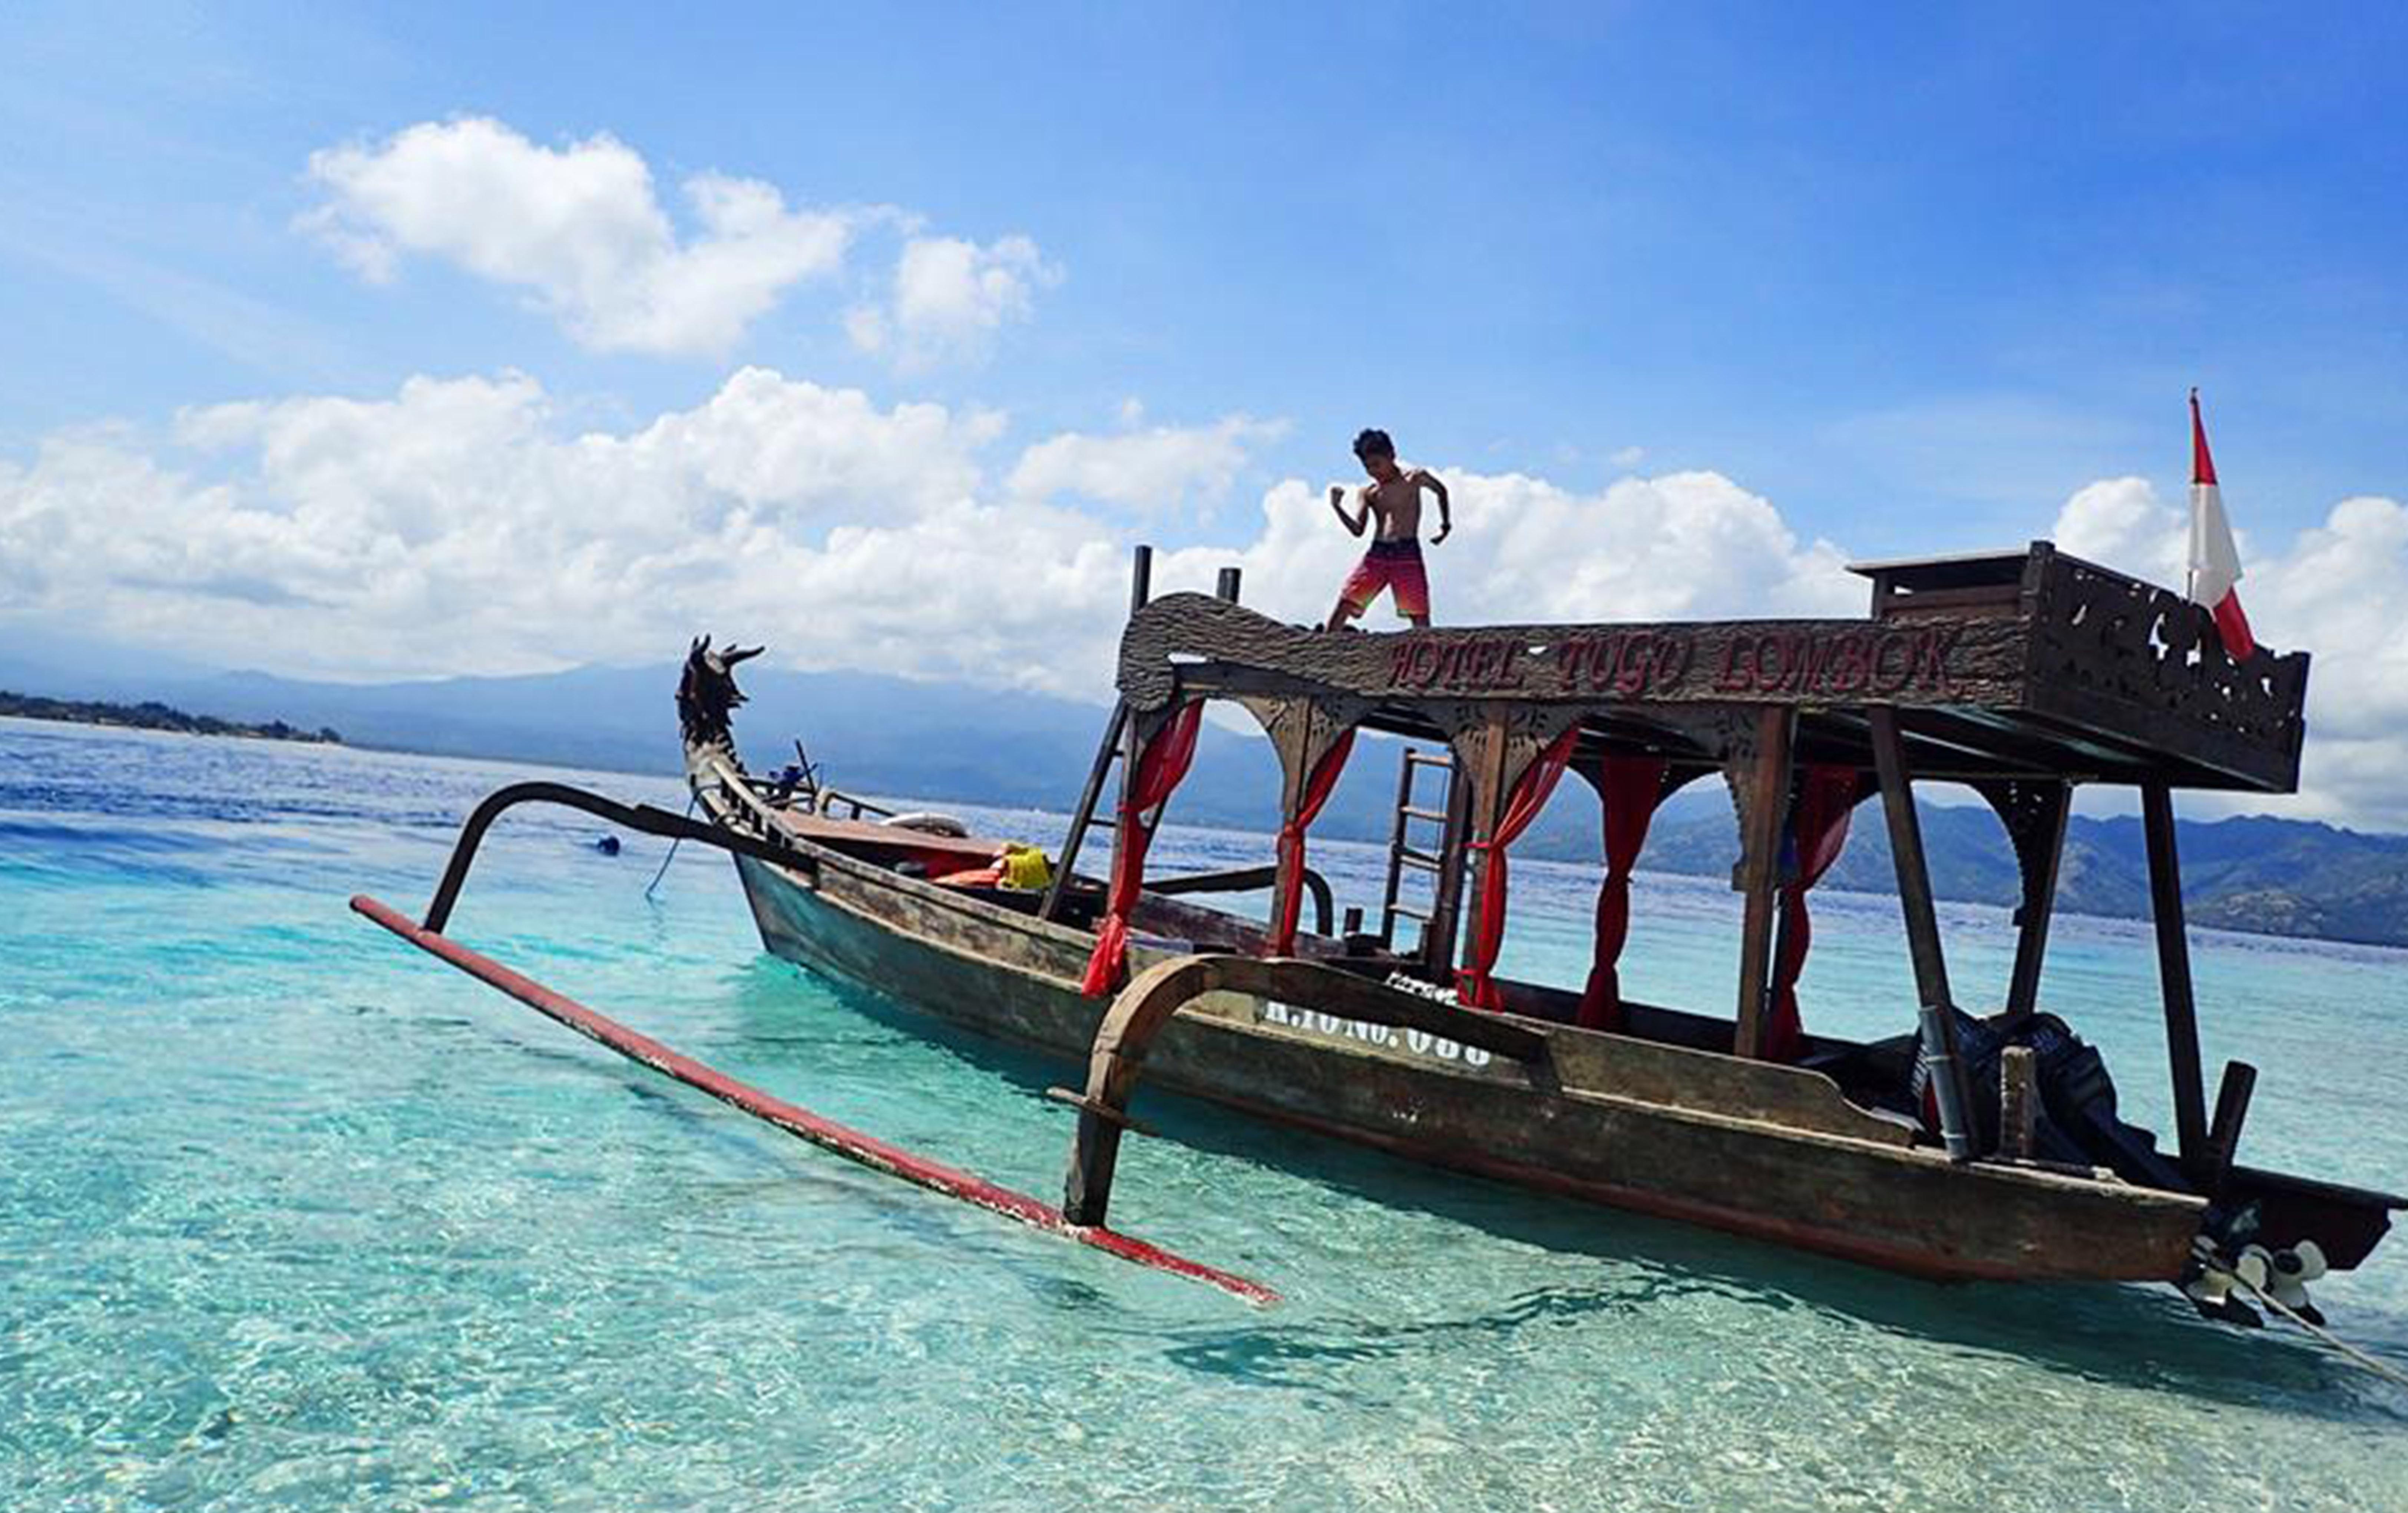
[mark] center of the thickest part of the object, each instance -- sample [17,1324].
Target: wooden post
[2224,1131]
[1225,587]
[1141,579]
[2173,971]
[2018,1101]
[1758,876]
[1938,1003]
[2040,854]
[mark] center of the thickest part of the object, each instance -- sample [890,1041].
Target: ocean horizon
[293,1216]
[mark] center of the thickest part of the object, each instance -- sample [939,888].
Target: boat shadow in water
[2133,1336]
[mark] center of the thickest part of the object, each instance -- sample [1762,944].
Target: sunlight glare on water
[292,1217]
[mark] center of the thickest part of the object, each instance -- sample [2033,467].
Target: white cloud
[579,228]
[456,526]
[2336,591]
[333,536]
[1523,549]
[1162,469]
[460,525]
[951,296]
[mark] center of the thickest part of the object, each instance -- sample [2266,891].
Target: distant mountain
[2266,876]
[935,741]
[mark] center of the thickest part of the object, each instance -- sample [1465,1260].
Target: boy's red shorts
[1396,565]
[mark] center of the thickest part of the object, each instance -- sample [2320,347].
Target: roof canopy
[2017,665]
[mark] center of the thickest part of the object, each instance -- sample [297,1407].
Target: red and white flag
[2215,562]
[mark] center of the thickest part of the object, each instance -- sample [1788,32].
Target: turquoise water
[291,1216]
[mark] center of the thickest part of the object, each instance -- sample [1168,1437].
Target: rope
[2381,1368]
[675,842]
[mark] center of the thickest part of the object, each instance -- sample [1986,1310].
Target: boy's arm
[1431,481]
[1353,522]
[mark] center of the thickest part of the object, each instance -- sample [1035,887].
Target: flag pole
[2190,568]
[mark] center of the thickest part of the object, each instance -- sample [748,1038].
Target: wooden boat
[1970,1146]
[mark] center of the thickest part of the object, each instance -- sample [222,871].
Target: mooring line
[852,1144]
[675,842]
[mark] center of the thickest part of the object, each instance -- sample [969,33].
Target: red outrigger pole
[852,1144]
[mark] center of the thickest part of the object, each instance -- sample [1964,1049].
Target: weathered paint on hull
[1884,1205]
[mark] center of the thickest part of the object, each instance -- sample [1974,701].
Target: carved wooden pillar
[1303,728]
[1493,744]
[1757,766]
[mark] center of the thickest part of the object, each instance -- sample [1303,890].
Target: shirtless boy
[1394,498]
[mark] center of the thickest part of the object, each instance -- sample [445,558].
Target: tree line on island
[153,715]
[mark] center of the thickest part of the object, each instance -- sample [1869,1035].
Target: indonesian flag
[2215,562]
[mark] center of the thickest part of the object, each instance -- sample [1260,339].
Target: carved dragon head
[706,694]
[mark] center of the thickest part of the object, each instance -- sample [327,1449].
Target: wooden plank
[1762,783]
[2173,971]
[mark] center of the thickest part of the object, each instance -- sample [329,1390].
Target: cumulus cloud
[337,537]
[463,525]
[579,228]
[1522,548]
[950,298]
[582,230]
[1161,468]
[2335,591]
[326,536]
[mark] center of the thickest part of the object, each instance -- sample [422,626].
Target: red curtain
[1475,986]
[1630,787]
[1159,768]
[1290,899]
[1825,801]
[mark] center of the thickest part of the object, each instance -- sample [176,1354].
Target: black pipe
[1245,879]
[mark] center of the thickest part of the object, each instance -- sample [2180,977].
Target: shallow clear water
[291,1216]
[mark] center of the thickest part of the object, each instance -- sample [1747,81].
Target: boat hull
[1765,1151]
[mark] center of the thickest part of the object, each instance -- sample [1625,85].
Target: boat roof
[2002,665]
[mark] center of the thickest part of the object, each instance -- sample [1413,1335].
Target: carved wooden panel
[2143,661]
[1967,659]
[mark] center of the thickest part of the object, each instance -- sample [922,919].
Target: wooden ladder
[1442,863]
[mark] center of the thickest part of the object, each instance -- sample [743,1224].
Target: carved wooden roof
[2014,665]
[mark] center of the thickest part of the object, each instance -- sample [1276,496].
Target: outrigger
[1971,1144]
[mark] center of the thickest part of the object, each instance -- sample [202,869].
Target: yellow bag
[1024,866]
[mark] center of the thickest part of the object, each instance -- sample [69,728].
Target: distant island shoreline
[153,715]
[2265,875]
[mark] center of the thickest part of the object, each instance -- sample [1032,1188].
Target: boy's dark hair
[1369,443]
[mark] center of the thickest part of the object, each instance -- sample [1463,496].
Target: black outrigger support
[643,817]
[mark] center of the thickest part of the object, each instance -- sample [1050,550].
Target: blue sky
[1698,298]
[1916,276]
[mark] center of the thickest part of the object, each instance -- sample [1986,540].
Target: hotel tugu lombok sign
[1927,660]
